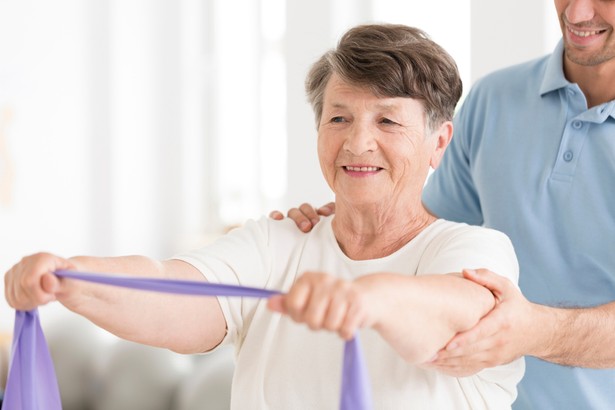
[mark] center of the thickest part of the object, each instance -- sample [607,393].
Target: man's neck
[597,82]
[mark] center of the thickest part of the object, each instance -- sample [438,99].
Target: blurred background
[150,126]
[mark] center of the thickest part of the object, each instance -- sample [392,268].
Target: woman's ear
[443,136]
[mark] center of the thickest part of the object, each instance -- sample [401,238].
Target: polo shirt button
[577,125]
[568,155]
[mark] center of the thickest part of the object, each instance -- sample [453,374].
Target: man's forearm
[582,337]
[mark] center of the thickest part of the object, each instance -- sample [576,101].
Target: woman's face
[374,150]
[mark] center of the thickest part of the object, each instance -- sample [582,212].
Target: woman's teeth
[362,169]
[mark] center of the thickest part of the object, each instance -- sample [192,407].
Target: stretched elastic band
[32,383]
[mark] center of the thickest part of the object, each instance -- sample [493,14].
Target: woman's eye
[387,121]
[337,119]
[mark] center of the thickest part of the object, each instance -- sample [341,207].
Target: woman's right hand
[306,216]
[31,282]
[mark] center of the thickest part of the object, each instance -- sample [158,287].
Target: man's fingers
[306,216]
[495,283]
[468,355]
[310,212]
[327,209]
[458,367]
[476,339]
[300,219]
[277,215]
[483,358]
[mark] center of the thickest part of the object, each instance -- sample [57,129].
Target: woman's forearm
[423,313]
[182,323]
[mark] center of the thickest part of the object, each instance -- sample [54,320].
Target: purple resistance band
[32,384]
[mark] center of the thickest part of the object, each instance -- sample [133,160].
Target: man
[533,156]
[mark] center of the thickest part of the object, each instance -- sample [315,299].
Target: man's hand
[511,330]
[31,282]
[306,216]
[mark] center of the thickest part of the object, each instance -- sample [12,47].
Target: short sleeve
[471,247]
[241,257]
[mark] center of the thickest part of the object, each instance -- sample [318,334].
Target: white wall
[43,84]
[509,32]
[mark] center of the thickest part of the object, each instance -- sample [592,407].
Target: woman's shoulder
[459,245]
[285,231]
[449,229]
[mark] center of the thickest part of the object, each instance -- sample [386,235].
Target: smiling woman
[383,119]
[376,152]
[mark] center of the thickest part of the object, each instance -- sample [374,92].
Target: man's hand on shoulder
[306,216]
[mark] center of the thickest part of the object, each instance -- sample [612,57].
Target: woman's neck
[371,234]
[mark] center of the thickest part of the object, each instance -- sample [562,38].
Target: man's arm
[186,324]
[581,337]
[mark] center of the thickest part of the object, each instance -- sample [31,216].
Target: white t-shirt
[281,364]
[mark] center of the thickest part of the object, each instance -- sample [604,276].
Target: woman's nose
[360,139]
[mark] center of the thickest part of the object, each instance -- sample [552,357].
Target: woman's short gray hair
[391,61]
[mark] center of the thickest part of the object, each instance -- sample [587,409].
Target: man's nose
[579,11]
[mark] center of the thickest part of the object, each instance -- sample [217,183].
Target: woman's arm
[416,315]
[186,324]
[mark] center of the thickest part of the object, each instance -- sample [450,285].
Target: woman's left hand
[322,301]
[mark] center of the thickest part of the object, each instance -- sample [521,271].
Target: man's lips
[584,33]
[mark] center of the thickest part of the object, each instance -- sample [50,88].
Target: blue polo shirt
[529,159]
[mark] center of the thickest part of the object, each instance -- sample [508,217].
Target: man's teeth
[584,33]
[362,169]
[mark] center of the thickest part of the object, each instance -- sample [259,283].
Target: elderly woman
[382,266]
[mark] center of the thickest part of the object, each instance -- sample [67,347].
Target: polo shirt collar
[554,79]
[554,74]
